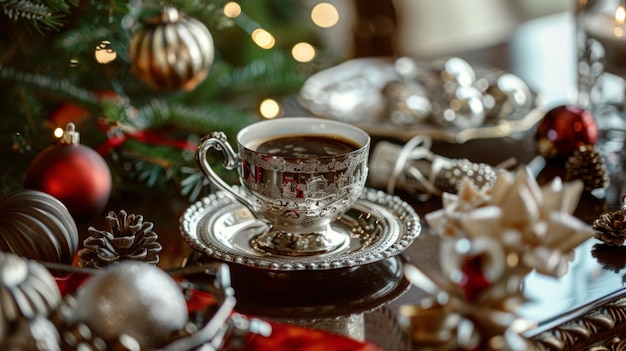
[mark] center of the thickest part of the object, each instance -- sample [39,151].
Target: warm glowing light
[269,108]
[58,132]
[74,62]
[232,9]
[620,15]
[104,53]
[324,15]
[303,52]
[263,38]
[512,259]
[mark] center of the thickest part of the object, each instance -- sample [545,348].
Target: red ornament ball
[563,130]
[74,174]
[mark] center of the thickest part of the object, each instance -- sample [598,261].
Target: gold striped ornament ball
[172,51]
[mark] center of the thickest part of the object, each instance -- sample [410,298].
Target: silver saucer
[380,226]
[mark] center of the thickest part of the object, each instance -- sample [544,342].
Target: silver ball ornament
[506,95]
[133,298]
[407,102]
[458,71]
[462,108]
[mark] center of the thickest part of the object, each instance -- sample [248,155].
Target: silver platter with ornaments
[379,226]
[447,99]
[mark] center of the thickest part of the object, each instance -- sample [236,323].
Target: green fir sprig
[49,72]
[44,15]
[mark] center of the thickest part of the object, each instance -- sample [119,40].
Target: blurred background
[142,105]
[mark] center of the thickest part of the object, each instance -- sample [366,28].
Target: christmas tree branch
[60,87]
[39,13]
[211,117]
[274,73]
[60,78]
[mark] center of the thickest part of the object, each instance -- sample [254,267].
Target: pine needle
[45,15]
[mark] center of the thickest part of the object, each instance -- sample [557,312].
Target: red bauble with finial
[563,130]
[74,174]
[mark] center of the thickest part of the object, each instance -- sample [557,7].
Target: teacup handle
[218,141]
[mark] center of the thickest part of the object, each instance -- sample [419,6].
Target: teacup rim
[364,141]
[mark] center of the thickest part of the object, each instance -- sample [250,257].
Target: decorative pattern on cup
[304,192]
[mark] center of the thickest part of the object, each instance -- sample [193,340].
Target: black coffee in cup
[303,146]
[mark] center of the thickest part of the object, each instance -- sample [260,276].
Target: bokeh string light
[258,34]
[303,52]
[270,108]
[263,38]
[323,15]
[620,17]
[104,53]
[232,9]
[58,132]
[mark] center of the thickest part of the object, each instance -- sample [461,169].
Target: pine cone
[130,238]
[587,164]
[611,228]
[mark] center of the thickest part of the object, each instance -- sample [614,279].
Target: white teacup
[299,175]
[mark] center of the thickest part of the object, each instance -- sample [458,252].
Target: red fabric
[68,284]
[287,337]
[147,137]
[65,113]
[199,300]
[284,337]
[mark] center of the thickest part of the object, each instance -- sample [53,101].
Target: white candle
[609,30]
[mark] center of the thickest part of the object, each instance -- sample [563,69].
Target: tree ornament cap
[70,135]
[169,14]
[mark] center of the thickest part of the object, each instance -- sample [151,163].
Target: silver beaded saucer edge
[380,226]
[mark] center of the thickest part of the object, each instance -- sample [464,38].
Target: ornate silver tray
[353,92]
[380,226]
